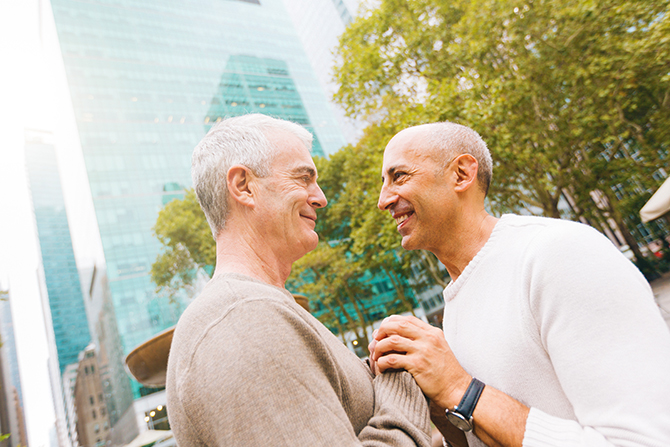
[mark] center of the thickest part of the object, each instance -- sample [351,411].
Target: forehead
[291,152]
[409,147]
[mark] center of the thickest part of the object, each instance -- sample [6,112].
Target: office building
[68,379]
[12,417]
[114,381]
[93,425]
[320,23]
[65,299]
[62,300]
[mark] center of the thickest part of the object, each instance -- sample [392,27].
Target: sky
[34,95]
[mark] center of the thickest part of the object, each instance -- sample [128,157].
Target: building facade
[65,316]
[65,299]
[116,387]
[93,425]
[320,23]
[12,416]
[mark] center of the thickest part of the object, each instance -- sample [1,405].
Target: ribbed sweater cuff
[399,389]
[543,430]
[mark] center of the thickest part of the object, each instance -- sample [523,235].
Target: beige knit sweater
[250,367]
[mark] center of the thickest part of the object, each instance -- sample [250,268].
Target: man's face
[288,199]
[415,191]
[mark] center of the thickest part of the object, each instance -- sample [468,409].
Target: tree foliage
[188,246]
[573,97]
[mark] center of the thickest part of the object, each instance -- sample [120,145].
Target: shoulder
[225,293]
[232,317]
[546,225]
[550,237]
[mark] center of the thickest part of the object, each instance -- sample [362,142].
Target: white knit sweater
[551,313]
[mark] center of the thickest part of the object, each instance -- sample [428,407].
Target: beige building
[92,417]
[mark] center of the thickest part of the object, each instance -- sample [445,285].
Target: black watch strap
[467,405]
[461,416]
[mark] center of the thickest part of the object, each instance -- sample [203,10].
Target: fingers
[373,343]
[408,327]
[392,344]
[393,362]
[371,349]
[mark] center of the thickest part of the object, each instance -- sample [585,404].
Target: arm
[264,376]
[413,345]
[610,348]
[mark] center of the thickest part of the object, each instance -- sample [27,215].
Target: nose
[386,198]
[318,198]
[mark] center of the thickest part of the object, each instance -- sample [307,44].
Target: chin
[408,244]
[311,244]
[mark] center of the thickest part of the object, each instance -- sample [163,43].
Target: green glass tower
[147,79]
[65,299]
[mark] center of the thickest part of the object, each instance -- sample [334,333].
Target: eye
[398,174]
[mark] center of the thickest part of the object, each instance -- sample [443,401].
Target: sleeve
[401,411]
[607,341]
[263,376]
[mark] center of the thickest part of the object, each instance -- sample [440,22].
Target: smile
[402,218]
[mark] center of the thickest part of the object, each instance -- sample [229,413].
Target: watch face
[459,421]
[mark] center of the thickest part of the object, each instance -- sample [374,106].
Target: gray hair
[240,140]
[453,139]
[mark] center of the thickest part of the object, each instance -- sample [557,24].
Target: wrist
[461,415]
[452,395]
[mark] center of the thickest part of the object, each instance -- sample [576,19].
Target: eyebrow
[390,171]
[305,170]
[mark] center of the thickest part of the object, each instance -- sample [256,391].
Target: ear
[466,168]
[239,181]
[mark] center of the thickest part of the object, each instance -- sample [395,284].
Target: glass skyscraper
[147,79]
[66,303]
[62,299]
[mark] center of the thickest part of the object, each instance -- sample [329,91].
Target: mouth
[402,218]
[312,218]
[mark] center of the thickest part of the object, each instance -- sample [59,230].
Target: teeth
[401,219]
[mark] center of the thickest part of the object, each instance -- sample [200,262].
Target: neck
[464,243]
[237,254]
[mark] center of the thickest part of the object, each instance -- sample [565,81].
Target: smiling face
[288,199]
[416,191]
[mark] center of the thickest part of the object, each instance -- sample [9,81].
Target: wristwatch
[461,415]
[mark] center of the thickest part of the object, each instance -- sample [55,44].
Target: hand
[413,345]
[371,349]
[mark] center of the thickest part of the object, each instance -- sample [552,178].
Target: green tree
[573,97]
[188,246]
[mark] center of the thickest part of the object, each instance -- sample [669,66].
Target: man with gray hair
[551,337]
[248,366]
